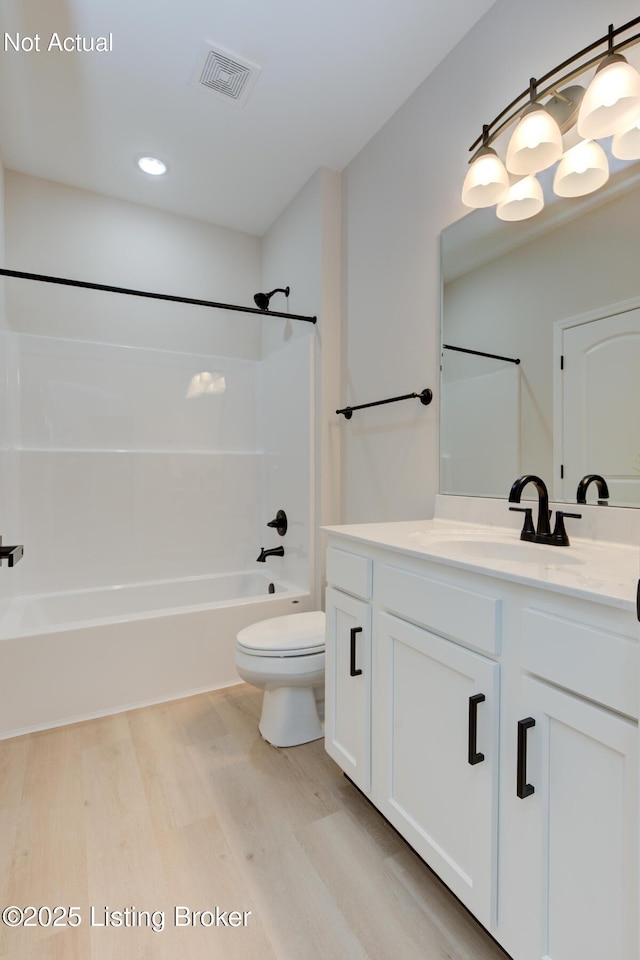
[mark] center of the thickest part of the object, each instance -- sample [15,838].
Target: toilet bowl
[284,657]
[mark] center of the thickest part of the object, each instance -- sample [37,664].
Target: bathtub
[71,656]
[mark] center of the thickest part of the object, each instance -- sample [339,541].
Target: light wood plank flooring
[184,805]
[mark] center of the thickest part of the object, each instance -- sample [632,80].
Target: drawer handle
[523,789]
[352,669]
[474,755]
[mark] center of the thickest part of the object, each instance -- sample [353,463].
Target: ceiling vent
[225,75]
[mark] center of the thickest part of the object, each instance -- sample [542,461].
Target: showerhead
[262,299]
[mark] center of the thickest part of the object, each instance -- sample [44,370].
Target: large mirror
[559,293]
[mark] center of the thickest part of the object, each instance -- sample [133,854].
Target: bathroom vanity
[482,692]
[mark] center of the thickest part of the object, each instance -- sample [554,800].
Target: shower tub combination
[154,464]
[71,656]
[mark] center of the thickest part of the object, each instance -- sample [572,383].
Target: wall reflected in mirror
[561,293]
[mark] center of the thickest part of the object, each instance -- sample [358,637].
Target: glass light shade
[524,200]
[582,170]
[536,143]
[612,100]
[626,146]
[487,180]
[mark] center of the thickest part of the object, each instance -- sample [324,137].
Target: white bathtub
[70,656]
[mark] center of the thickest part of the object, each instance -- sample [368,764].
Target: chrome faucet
[601,484]
[274,552]
[542,532]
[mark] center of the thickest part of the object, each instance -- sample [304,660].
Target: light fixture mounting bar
[491,131]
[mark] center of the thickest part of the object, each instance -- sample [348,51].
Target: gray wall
[399,193]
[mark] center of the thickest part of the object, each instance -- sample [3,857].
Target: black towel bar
[425,397]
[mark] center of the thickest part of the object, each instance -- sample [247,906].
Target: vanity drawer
[350,572]
[449,610]
[587,660]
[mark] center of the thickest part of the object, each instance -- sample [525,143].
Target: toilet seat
[285,657]
[295,635]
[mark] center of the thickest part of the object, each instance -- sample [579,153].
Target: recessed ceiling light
[152,166]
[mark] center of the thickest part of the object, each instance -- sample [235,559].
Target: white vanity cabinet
[576,823]
[348,665]
[495,726]
[437,713]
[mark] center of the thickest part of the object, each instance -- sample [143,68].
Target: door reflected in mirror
[560,294]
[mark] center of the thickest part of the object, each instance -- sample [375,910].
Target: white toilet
[284,657]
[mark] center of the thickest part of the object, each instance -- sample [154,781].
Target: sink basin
[513,551]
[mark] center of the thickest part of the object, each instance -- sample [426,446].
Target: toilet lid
[294,635]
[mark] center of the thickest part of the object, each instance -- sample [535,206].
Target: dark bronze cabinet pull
[523,789]
[353,671]
[474,755]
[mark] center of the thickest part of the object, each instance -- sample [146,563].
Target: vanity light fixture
[152,166]
[524,200]
[487,180]
[626,146]
[544,113]
[582,170]
[612,100]
[536,142]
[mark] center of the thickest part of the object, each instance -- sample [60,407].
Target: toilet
[284,657]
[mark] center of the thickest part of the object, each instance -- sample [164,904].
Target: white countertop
[602,571]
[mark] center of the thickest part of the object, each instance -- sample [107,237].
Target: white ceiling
[333,72]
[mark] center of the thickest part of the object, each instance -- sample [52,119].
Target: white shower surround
[121,486]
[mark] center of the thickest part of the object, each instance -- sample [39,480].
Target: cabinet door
[577,829]
[348,685]
[441,718]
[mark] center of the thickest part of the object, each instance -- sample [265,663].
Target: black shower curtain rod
[425,397]
[153,296]
[481,353]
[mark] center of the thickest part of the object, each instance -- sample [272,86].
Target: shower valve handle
[280,523]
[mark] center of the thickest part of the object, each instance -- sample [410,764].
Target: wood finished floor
[183,804]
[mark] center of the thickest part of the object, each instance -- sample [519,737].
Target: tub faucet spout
[274,552]
[11,554]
